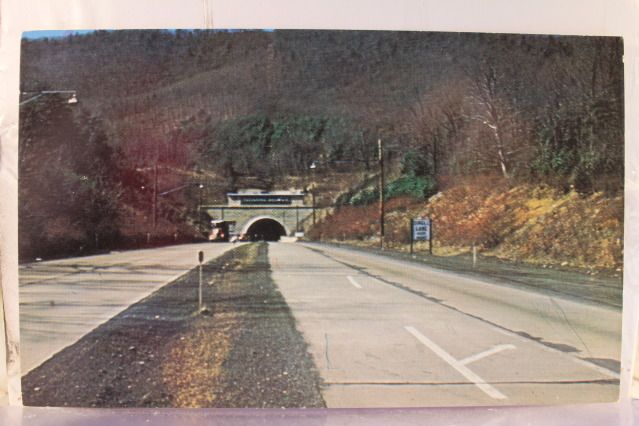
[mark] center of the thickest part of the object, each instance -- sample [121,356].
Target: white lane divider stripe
[486,353]
[461,368]
[352,281]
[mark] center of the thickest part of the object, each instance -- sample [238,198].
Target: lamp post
[199,206]
[313,166]
[35,95]
[154,212]
[380,150]
[71,101]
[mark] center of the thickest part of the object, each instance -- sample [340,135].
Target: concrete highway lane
[386,332]
[62,300]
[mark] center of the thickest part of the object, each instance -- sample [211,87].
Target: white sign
[421,229]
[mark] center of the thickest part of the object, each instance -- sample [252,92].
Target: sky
[32,35]
[52,33]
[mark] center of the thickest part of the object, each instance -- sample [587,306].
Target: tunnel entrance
[265,230]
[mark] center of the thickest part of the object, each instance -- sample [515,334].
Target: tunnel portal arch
[264,228]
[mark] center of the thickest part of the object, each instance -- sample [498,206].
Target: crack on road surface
[52,273]
[46,278]
[328,361]
[563,313]
[564,348]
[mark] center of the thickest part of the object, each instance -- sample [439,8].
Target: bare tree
[489,106]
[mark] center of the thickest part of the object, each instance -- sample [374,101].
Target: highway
[382,332]
[386,332]
[62,300]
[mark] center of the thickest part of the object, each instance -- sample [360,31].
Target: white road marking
[352,281]
[457,365]
[486,353]
[574,358]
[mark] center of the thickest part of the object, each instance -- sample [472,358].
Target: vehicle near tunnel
[221,230]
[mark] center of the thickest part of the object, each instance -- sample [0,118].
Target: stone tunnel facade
[293,220]
[245,208]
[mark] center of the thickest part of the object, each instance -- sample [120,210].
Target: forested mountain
[258,107]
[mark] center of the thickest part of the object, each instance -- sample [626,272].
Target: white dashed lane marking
[352,281]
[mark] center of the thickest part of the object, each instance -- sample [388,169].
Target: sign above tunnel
[276,200]
[264,198]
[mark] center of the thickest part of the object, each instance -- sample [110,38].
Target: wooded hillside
[239,108]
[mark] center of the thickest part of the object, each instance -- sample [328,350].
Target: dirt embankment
[530,223]
[160,353]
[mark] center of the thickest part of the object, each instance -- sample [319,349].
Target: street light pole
[313,166]
[155,196]
[380,150]
[199,207]
[313,204]
[72,100]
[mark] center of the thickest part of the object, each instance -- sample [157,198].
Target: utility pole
[380,150]
[313,204]
[155,195]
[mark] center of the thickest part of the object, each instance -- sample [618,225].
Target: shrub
[418,187]
[364,197]
[412,186]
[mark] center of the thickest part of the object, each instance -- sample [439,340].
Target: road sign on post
[421,230]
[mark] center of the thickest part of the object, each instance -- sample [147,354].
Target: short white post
[474,255]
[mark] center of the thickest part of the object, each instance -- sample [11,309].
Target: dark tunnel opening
[266,230]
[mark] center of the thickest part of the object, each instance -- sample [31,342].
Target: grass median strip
[159,352]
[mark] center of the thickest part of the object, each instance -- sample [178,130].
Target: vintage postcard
[297,218]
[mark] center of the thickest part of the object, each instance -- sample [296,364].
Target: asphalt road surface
[382,332]
[386,332]
[62,300]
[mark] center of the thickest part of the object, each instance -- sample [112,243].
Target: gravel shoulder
[245,352]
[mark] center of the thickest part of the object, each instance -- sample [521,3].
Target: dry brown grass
[195,359]
[524,222]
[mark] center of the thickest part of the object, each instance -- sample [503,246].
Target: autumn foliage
[523,222]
